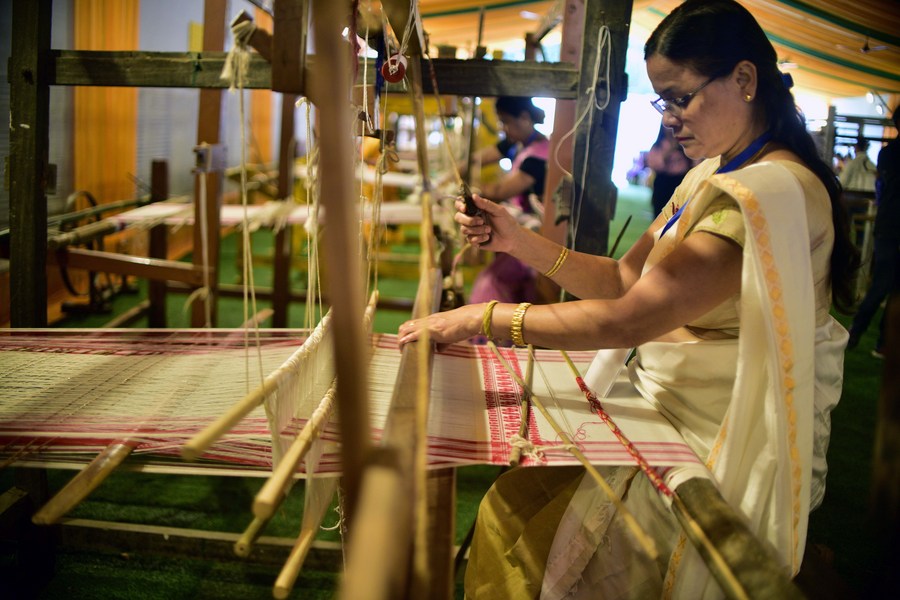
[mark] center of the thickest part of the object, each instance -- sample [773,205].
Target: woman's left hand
[444,327]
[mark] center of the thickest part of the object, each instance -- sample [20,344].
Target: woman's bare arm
[703,272]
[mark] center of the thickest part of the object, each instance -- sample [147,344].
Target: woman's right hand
[493,228]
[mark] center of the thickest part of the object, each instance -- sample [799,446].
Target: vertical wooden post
[595,138]
[560,151]
[289,38]
[885,493]
[159,247]
[209,127]
[330,91]
[290,24]
[29,119]
[283,249]
[29,146]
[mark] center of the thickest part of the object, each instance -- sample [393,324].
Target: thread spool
[394,68]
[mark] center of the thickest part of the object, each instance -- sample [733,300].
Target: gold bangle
[515,325]
[563,255]
[486,319]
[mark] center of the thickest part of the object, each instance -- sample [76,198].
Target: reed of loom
[201,441]
[276,488]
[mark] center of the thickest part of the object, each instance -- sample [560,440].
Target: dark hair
[516,105]
[712,37]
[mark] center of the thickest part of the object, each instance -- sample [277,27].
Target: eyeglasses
[662,105]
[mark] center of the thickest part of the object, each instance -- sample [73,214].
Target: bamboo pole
[330,91]
[80,486]
[382,523]
[741,564]
[244,544]
[200,443]
[291,570]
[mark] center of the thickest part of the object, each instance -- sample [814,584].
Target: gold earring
[747,97]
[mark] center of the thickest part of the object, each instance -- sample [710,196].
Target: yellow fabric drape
[105,118]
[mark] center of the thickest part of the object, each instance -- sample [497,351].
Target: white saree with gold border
[754,408]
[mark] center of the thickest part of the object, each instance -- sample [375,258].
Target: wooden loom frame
[36,66]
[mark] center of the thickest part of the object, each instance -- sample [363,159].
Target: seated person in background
[506,278]
[859,172]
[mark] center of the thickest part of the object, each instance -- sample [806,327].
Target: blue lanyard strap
[732,165]
[746,154]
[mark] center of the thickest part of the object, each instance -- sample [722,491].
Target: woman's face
[518,128]
[717,120]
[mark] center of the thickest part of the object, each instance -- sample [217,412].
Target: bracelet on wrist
[486,319]
[517,322]
[563,255]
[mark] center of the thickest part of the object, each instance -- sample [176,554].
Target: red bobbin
[394,68]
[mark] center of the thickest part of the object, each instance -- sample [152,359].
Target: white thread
[237,64]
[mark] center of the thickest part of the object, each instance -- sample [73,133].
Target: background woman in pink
[506,278]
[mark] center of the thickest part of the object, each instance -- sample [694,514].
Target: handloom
[70,393]
[536,449]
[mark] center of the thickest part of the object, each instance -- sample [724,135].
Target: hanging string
[371,206]
[388,153]
[237,64]
[311,226]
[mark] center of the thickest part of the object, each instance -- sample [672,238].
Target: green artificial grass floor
[842,523]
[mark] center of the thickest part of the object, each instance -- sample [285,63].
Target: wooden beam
[207,209]
[284,237]
[595,139]
[159,245]
[85,482]
[179,541]
[289,35]
[460,77]
[151,69]
[560,147]
[122,264]
[29,145]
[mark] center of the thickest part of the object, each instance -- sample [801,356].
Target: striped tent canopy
[834,48]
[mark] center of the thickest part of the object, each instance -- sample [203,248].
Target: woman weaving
[726,303]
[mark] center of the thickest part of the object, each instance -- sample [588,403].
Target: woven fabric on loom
[75,392]
[78,391]
[475,410]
